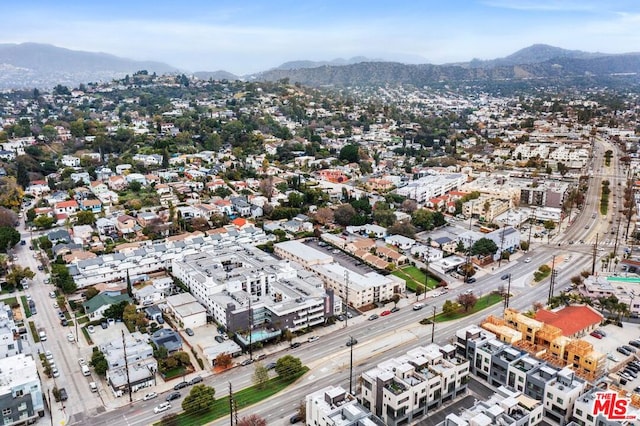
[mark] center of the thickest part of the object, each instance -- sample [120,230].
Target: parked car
[173,395]
[195,380]
[48,355]
[219,339]
[295,419]
[63,394]
[249,361]
[631,349]
[71,337]
[373,317]
[635,343]
[470,280]
[352,341]
[623,351]
[527,260]
[596,335]
[91,329]
[162,407]
[395,309]
[270,366]
[189,331]
[52,294]
[295,345]
[149,396]
[180,385]
[505,277]
[385,313]
[63,322]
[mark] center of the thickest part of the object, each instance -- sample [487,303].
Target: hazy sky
[249,36]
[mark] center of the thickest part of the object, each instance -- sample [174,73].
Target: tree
[409,206]
[10,193]
[267,187]
[99,363]
[44,222]
[199,399]
[8,217]
[116,311]
[9,237]
[135,186]
[344,214]
[419,290]
[260,376]
[524,245]
[252,420]
[384,217]
[549,225]
[324,216]
[484,247]
[288,366]
[395,299]
[467,300]
[17,274]
[91,292]
[200,224]
[349,153]
[449,308]
[403,227]
[85,217]
[468,270]
[224,360]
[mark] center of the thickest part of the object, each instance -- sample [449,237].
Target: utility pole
[471,215]
[351,367]
[250,327]
[126,366]
[501,246]
[615,245]
[433,324]
[346,298]
[530,228]
[506,298]
[593,260]
[552,280]
[426,272]
[231,404]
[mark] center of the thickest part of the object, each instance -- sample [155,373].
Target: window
[560,401]
[549,395]
[578,412]
[589,417]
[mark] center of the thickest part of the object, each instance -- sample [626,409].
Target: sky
[248,36]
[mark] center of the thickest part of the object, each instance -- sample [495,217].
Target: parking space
[615,337]
[110,334]
[343,259]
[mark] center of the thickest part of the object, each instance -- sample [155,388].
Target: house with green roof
[95,307]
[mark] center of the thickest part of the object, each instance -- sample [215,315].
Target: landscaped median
[464,306]
[415,278]
[242,398]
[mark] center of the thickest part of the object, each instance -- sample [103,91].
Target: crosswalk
[601,243]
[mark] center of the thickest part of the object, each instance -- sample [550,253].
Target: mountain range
[29,65]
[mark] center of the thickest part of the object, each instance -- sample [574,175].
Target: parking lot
[617,336]
[108,335]
[340,257]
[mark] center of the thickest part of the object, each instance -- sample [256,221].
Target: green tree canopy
[9,237]
[288,366]
[349,153]
[484,247]
[199,399]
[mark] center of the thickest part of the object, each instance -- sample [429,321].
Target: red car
[385,313]
[596,335]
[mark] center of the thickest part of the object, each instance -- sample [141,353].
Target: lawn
[25,305]
[482,303]
[414,278]
[175,372]
[10,301]
[243,398]
[34,332]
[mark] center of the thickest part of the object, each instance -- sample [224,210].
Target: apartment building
[505,407]
[245,288]
[486,207]
[21,398]
[141,364]
[354,288]
[431,186]
[333,405]
[404,389]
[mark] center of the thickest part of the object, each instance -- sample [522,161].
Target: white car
[162,407]
[312,339]
[527,260]
[149,396]
[55,305]
[48,355]
[91,329]
[82,362]
[71,337]
[55,372]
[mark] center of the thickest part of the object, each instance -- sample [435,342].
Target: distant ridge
[216,75]
[42,65]
[294,65]
[532,55]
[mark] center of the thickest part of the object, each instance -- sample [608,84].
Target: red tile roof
[570,319]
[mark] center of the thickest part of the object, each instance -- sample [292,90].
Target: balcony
[395,387]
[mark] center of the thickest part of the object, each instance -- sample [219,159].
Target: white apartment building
[141,364]
[21,398]
[431,186]
[243,287]
[335,406]
[404,389]
[505,407]
[353,288]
